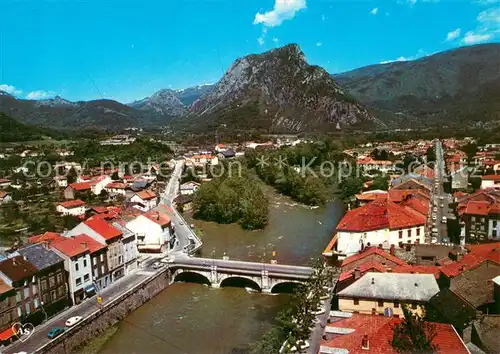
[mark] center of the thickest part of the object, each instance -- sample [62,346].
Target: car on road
[55,332]
[441,205]
[441,198]
[73,321]
[169,260]
[434,217]
[435,209]
[181,223]
[443,220]
[157,265]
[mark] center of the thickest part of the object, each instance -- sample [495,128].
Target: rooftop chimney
[365,343]
[392,250]
[157,216]
[357,273]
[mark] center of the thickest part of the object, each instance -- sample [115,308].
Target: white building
[153,230]
[103,232]
[380,222]
[490,181]
[61,181]
[130,252]
[145,200]
[5,197]
[72,207]
[116,188]
[99,183]
[189,188]
[77,263]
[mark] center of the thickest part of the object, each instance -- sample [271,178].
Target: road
[439,199]
[185,237]
[84,309]
[250,267]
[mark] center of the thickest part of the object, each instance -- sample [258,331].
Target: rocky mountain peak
[284,90]
[162,103]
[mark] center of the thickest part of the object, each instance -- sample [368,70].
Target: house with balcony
[144,200]
[51,276]
[384,293]
[129,241]
[103,232]
[72,207]
[77,264]
[18,273]
[101,276]
[153,230]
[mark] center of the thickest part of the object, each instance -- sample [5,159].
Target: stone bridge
[263,277]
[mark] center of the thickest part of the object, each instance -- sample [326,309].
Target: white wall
[72,211]
[152,232]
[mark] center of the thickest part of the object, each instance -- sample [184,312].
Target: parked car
[73,321]
[444,220]
[157,265]
[435,209]
[433,217]
[55,332]
[441,205]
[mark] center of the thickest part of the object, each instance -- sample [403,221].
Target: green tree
[431,154]
[471,150]
[72,175]
[414,335]
[380,182]
[350,187]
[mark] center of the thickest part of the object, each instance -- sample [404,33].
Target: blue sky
[126,50]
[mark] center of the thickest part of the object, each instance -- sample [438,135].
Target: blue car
[54,332]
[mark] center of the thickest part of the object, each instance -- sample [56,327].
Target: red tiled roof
[99,209]
[418,269]
[477,208]
[370,251]
[92,245]
[3,180]
[3,194]
[70,247]
[491,178]
[469,261]
[72,204]
[81,186]
[379,332]
[370,196]
[146,194]
[8,333]
[363,268]
[46,237]
[158,217]
[102,228]
[490,251]
[116,185]
[380,214]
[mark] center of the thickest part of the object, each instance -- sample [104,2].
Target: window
[417,241]
[400,245]
[102,269]
[380,303]
[119,259]
[94,261]
[53,294]
[33,279]
[76,266]
[45,298]
[400,233]
[78,281]
[396,304]
[356,302]
[86,277]
[43,284]
[36,302]
[52,281]
[409,233]
[59,278]
[26,292]
[414,306]
[34,289]
[84,263]
[473,218]
[19,296]
[102,257]
[28,307]
[19,311]
[418,231]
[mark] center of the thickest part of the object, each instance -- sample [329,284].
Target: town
[421,237]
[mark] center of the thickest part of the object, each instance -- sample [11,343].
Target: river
[192,318]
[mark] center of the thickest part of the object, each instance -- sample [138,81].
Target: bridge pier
[214,278]
[264,286]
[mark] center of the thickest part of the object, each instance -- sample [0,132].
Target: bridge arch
[240,282]
[191,277]
[285,287]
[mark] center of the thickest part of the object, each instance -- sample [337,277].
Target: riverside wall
[109,315]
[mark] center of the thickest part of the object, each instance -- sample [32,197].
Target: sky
[126,50]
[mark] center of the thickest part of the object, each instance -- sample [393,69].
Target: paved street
[39,337]
[439,199]
[185,235]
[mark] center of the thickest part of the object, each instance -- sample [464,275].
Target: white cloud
[10,89]
[489,16]
[374,11]
[39,95]
[421,53]
[260,40]
[319,44]
[283,10]
[276,40]
[453,34]
[323,18]
[473,38]
[487,2]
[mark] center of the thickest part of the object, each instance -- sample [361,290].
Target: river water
[192,318]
